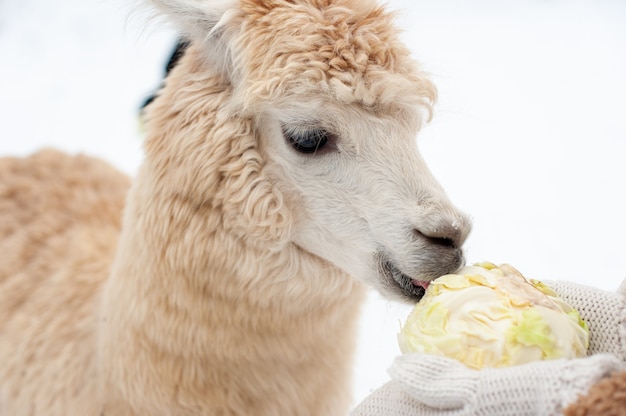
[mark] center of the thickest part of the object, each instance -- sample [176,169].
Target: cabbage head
[492,316]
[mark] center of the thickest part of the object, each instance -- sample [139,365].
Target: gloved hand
[430,385]
[604,312]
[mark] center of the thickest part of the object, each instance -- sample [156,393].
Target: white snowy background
[529,134]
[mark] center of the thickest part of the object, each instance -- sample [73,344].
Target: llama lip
[421,283]
[412,288]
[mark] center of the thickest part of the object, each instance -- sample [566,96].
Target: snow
[528,136]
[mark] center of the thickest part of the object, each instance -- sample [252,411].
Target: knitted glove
[429,385]
[604,312]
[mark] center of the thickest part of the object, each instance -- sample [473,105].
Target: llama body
[233,283]
[59,222]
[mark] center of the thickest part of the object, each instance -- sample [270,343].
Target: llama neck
[207,296]
[195,314]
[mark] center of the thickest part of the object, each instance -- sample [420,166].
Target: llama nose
[446,233]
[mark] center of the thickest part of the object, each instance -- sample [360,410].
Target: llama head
[335,102]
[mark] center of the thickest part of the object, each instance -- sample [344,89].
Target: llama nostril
[442,241]
[437,240]
[449,231]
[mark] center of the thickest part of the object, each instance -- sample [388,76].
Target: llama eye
[307,141]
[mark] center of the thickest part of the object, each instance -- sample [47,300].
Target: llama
[281,177]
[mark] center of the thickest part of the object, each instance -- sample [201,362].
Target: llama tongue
[421,283]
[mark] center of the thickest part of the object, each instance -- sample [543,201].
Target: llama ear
[205,24]
[198,19]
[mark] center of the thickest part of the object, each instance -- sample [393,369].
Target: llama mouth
[412,288]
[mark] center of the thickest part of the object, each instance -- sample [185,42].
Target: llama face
[336,103]
[364,200]
[340,106]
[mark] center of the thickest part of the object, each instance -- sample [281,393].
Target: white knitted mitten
[604,312]
[429,385]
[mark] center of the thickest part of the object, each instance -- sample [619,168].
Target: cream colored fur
[231,288]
